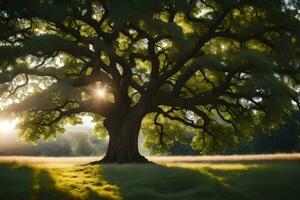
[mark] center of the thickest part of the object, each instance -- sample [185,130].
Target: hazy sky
[8,127]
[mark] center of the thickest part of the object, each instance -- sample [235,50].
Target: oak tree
[215,69]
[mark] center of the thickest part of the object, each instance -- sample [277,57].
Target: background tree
[217,68]
[69,144]
[284,139]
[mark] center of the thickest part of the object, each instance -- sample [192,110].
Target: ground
[205,178]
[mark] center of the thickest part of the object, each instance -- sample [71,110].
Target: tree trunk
[123,139]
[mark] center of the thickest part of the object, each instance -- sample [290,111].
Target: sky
[8,127]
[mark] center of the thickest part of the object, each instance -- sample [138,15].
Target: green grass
[255,180]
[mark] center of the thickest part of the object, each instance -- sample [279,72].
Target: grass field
[261,177]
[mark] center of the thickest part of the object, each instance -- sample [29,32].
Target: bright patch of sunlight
[218,166]
[81,182]
[101,92]
[7,126]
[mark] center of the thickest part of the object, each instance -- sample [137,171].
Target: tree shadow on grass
[15,182]
[265,181]
[156,182]
[25,183]
[270,181]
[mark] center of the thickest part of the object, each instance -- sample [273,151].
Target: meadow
[260,177]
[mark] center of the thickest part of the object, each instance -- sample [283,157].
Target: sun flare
[7,126]
[101,92]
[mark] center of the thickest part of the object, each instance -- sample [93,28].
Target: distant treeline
[69,144]
[285,139]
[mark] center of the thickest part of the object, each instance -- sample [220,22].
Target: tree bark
[123,139]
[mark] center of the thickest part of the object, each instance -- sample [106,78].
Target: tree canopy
[213,68]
